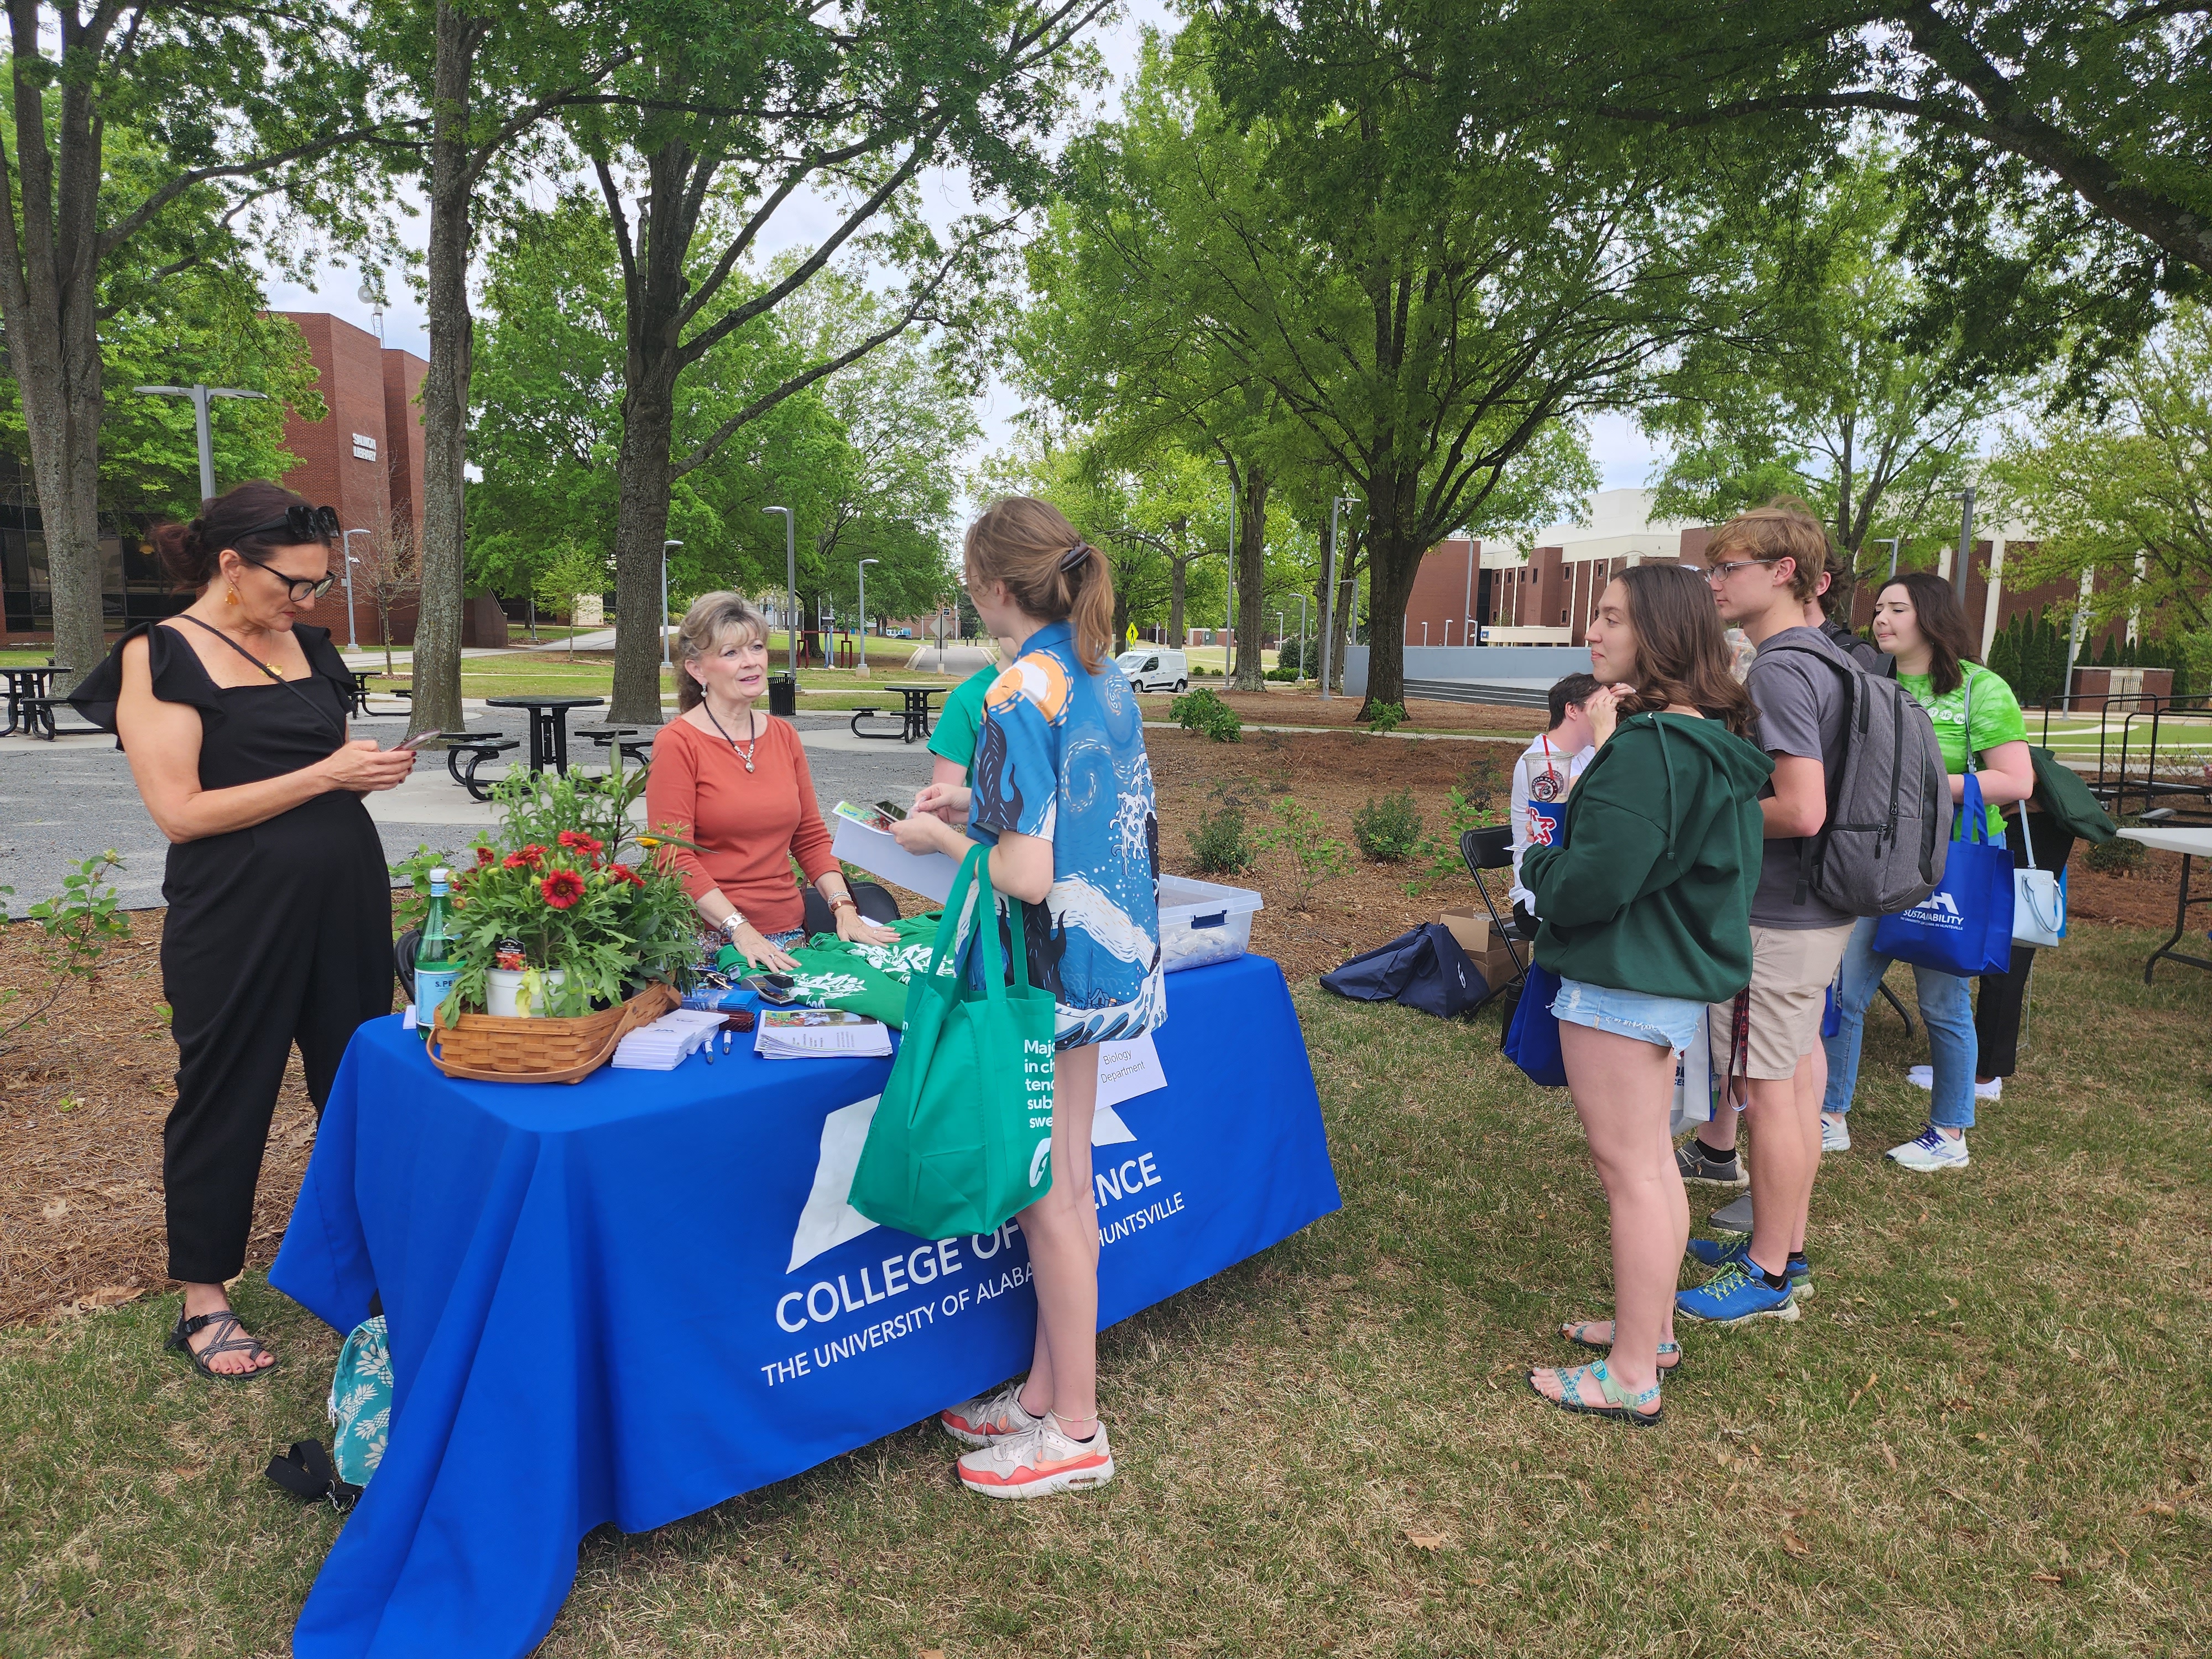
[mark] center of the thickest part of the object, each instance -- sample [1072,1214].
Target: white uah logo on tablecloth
[1126,1070]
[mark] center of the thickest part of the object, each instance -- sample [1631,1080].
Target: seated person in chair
[732,780]
[1548,769]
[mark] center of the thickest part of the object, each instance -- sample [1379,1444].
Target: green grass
[1991,1433]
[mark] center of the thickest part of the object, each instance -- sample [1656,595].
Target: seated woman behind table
[733,780]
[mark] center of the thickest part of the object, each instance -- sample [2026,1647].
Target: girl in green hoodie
[1646,918]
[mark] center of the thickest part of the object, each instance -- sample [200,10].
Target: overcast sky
[1623,455]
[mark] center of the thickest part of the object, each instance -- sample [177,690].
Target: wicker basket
[492,1049]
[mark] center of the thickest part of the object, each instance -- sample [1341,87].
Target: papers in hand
[813,1033]
[662,1045]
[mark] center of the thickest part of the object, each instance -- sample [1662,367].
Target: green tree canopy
[2125,501]
[1827,396]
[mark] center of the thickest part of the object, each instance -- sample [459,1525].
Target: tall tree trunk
[1394,550]
[49,300]
[437,666]
[641,529]
[1178,576]
[654,288]
[1251,576]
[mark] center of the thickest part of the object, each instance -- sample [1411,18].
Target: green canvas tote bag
[961,1138]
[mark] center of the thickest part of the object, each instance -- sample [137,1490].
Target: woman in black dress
[280,909]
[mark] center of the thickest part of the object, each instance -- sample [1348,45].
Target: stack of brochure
[662,1045]
[816,1033]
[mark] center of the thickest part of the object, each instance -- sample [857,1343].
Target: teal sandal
[1670,1353]
[1620,1405]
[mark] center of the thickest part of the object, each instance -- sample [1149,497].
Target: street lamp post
[665,663]
[199,396]
[1328,597]
[345,548]
[790,583]
[1893,541]
[863,669]
[1966,543]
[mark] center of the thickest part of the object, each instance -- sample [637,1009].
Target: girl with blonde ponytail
[1062,793]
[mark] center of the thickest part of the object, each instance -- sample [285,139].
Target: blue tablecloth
[631,1299]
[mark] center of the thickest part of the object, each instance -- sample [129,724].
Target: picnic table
[913,726]
[549,726]
[29,705]
[2192,843]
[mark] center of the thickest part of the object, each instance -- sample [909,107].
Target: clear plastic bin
[1202,921]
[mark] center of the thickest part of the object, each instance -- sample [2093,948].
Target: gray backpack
[1889,800]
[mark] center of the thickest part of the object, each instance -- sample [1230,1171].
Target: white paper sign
[1128,1069]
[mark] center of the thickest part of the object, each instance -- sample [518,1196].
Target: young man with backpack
[1765,568]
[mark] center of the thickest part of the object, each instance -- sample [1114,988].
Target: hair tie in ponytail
[1074,556]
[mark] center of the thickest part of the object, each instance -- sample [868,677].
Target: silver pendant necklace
[744,754]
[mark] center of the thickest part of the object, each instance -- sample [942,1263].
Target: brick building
[363,458]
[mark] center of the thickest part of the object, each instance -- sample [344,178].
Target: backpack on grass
[1882,847]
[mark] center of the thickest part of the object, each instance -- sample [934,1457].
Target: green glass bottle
[437,961]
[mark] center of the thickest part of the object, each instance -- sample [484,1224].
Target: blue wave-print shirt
[1062,757]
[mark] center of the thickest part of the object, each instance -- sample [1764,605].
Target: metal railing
[2148,721]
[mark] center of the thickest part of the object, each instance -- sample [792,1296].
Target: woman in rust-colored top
[734,782]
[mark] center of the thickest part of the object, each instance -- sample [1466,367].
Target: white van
[1151,669]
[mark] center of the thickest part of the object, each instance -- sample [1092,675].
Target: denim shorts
[1669,1022]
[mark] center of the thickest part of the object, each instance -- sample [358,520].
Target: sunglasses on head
[301,525]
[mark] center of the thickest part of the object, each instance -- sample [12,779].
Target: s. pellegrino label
[437,960]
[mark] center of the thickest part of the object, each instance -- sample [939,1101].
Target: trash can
[782,694]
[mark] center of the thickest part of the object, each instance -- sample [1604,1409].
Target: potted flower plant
[549,918]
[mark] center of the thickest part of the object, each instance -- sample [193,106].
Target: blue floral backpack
[361,1415]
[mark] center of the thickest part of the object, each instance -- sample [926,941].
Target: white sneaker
[1038,1463]
[988,1417]
[1835,1133]
[1920,1077]
[1993,1090]
[1932,1151]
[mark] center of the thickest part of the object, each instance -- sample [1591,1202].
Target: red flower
[622,872]
[515,861]
[485,855]
[577,841]
[561,889]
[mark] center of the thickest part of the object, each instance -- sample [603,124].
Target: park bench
[39,721]
[635,741]
[475,748]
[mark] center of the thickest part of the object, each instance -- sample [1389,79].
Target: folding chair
[1492,849]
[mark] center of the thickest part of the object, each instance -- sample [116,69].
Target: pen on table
[707,1048]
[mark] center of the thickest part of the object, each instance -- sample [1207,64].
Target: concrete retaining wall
[1510,664]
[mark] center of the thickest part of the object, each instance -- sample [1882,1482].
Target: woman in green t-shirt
[952,740]
[1919,621]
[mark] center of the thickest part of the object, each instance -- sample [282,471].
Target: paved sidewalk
[67,800]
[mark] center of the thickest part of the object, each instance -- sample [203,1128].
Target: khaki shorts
[1791,969]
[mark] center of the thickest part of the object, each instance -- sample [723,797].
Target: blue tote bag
[1964,926]
[1532,1041]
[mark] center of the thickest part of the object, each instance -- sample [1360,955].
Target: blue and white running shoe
[1735,1295]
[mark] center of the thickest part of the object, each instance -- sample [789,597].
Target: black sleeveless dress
[277,934]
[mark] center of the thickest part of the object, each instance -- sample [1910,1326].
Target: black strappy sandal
[224,1324]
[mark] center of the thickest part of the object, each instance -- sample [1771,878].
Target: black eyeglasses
[301,525]
[299,587]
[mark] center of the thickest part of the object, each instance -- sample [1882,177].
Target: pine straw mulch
[83,1092]
[1288,705]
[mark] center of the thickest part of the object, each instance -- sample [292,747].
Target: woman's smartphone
[890,810]
[414,742]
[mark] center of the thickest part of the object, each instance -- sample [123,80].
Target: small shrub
[1315,855]
[78,924]
[1389,830]
[1442,851]
[2117,857]
[1202,710]
[1220,845]
[1386,717]
[1283,675]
